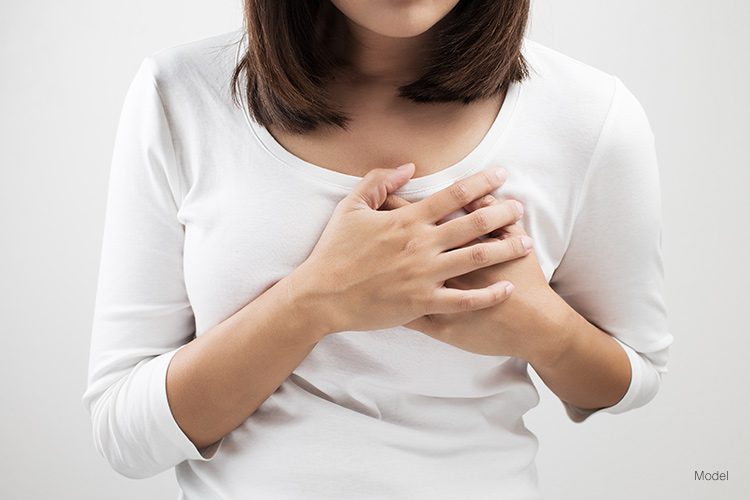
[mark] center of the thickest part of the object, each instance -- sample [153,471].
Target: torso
[387,131]
[362,406]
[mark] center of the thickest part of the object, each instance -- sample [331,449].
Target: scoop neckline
[471,162]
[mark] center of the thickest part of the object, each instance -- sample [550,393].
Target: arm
[609,309]
[155,397]
[220,378]
[587,367]
[158,397]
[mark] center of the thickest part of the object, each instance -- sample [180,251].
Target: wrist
[555,330]
[309,304]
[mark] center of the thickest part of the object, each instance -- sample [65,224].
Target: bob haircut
[476,54]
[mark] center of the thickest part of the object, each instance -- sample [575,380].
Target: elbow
[646,375]
[132,424]
[652,383]
[647,370]
[653,367]
[655,386]
[125,456]
[125,467]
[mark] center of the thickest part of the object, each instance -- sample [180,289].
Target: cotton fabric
[206,210]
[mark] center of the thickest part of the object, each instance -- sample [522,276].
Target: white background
[64,69]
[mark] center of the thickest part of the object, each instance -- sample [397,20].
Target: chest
[249,223]
[432,136]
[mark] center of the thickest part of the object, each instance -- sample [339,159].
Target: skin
[577,360]
[440,134]
[374,251]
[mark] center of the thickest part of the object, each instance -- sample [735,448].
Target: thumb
[374,187]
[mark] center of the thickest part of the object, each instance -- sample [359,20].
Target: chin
[395,18]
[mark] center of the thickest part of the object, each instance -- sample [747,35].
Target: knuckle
[480,221]
[412,246]
[460,192]
[402,222]
[467,303]
[479,254]
[515,246]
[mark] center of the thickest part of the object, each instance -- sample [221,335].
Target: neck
[371,58]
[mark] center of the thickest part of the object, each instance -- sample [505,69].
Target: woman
[283,313]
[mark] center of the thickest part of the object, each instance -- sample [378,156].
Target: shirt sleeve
[612,271]
[142,315]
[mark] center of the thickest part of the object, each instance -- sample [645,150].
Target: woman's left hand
[507,329]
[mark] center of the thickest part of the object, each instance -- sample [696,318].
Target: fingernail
[509,288]
[501,174]
[405,167]
[527,242]
[519,206]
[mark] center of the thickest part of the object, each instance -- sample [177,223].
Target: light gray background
[64,70]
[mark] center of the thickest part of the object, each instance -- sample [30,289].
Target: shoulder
[569,81]
[584,106]
[576,89]
[200,65]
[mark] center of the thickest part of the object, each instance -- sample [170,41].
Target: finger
[489,252]
[374,187]
[460,193]
[393,201]
[452,300]
[484,201]
[515,229]
[461,230]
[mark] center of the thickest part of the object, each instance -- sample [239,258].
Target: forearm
[583,365]
[220,378]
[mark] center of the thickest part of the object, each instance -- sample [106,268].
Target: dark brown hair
[476,54]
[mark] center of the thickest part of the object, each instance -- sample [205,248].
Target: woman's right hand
[374,269]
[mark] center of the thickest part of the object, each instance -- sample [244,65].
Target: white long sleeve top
[206,209]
